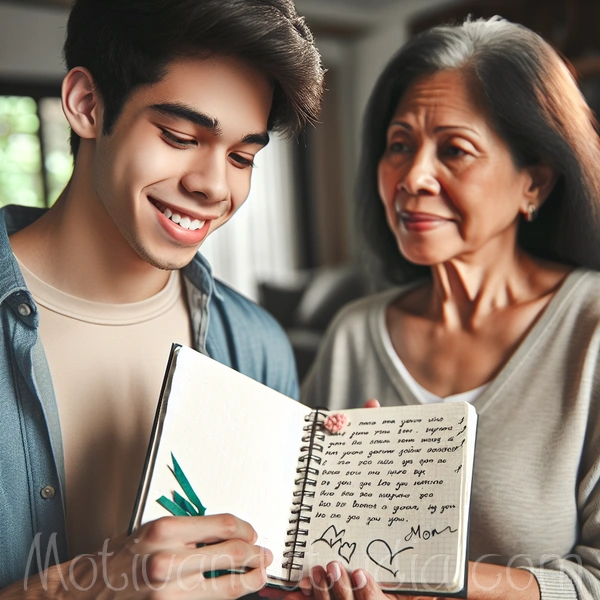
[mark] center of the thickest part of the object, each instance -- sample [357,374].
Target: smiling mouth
[412,217]
[184,221]
[421,222]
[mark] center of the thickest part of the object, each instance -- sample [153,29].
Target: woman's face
[448,182]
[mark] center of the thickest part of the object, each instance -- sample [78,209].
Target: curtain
[260,242]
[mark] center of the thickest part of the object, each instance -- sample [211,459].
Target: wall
[31,42]
[371,53]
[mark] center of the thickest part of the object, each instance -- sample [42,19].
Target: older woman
[480,193]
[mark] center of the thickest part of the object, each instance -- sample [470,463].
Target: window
[35,160]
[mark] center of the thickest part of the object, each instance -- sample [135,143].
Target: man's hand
[160,560]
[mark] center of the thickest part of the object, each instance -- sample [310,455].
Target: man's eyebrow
[186,113]
[182,111]
[262,139]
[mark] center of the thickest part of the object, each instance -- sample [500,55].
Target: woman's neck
[464,294]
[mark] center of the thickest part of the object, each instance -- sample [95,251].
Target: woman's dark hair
[533,103]
[129,43]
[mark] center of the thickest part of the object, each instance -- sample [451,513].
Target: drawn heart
[346,551]
[381,554]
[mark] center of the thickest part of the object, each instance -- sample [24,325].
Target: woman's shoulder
[584,286]
[590,276]
[578,299]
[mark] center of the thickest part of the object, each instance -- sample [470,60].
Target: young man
[168,103]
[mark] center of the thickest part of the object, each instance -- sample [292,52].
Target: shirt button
[47,492]
[24,309]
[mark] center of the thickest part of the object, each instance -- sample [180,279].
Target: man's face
[178,162]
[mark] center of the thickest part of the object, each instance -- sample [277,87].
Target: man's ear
[541,182]
[81,103]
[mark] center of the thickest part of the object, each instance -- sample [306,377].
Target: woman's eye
[454,151]
[241,161]
[176,141]
[398,147]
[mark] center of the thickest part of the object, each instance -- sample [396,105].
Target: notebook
[389,492]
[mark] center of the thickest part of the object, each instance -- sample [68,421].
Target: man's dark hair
[534,105]
[130,43]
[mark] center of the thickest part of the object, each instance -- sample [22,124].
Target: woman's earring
[531,213]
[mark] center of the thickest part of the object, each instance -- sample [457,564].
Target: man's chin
[172,263]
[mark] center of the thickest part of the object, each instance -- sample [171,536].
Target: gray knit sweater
[536,494]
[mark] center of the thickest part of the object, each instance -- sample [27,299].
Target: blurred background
[292,247]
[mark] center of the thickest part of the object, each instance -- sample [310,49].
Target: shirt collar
[13,219]
[199,272]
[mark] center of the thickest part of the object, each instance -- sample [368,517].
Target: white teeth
[184,222]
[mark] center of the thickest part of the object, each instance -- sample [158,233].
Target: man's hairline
[164,72]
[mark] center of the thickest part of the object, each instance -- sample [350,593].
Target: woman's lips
[418,221]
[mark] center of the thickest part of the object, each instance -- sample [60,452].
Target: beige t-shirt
[107,363]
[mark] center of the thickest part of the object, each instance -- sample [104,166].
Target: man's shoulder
[236,306]
[229,309]
[228,303]
[245,336]
[15,217]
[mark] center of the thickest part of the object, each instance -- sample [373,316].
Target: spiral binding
[301,510]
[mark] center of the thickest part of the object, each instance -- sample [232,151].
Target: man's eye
[176,141]
[240,160]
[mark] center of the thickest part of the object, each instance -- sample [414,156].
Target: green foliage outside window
[22,178]
[58,161]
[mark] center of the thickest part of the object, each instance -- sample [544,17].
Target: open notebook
[389,493]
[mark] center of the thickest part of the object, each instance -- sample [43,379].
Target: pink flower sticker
[336,422]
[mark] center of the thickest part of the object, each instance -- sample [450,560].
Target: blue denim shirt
[225,326]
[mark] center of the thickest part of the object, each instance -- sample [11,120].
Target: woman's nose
[421,176]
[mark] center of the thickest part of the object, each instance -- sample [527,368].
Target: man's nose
[208,177]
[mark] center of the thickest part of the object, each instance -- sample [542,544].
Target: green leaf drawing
[179,506]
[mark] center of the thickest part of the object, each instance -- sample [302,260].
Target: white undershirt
[424,396]
[107,363]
